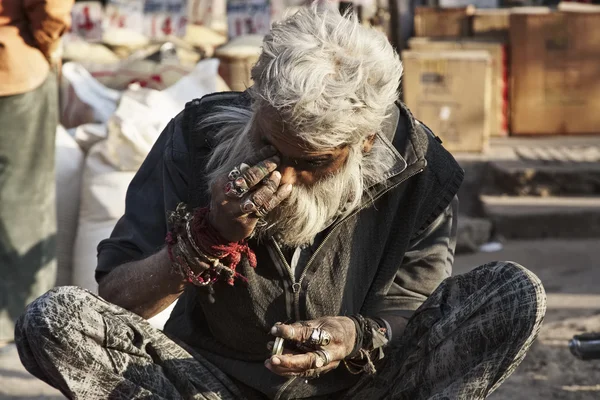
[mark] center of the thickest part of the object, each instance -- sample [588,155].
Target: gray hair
[331,79]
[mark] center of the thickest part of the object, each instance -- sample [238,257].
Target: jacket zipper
[335,227]
[297,285]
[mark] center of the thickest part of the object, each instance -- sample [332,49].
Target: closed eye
[311,164]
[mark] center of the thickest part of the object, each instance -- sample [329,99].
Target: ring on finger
[231,190]
[243,167]
[234,174]
[325,338]
[319,337]
[261,212]
[248,206]
[277,346]
[322,358]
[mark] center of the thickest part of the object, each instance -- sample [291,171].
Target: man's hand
[305,362]
[226,213]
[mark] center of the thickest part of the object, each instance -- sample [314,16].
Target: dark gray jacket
[383,260]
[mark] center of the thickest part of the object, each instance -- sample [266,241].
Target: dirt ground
[570,271]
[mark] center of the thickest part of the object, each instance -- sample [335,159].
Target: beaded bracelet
[193,245]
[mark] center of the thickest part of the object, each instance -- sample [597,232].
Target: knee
[53,313]
[520,289]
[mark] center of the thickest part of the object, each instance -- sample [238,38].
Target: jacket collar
[400,137]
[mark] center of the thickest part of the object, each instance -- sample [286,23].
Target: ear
[368,144]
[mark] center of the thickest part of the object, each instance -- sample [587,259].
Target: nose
[288,175]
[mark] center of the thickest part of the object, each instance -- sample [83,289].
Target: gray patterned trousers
[467,338]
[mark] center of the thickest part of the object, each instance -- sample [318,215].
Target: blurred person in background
[29,37]
[318,212]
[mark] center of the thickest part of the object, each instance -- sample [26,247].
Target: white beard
[308,210]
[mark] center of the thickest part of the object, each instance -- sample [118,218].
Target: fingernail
[274,330]
[276,174]
[275,361]
[287,188]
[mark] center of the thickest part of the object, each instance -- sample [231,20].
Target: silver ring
[319,337]
[243,167]
[261,222]
[248,206]
[325,338]
[313,340]
[261,212]
[234,174]
[322,358]
[236,188]
[277,347]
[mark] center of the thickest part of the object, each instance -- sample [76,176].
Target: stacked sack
[111,133]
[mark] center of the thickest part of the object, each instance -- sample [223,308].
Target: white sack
[69,169]
[83,98]
[87,135]
[103,192]
[144,113]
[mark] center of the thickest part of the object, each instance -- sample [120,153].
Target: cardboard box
[578,7]
[555,73]
[450,92]
[491,23]
[443,22]
[463,3]
[499,70]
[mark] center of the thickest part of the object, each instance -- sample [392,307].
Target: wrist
[199,253]
[358,337]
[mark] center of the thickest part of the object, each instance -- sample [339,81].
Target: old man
[307,228]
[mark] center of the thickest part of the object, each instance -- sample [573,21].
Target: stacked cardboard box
[497,50]
[442,22]
[491,23]
[451,93]
[555,73]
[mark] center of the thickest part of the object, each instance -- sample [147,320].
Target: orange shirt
[29,33]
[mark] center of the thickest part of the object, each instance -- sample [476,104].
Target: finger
[262,196]
[280,366]
[298,332]
[313,372]
[291,363]
[260,171]
[262,154]
[283,192]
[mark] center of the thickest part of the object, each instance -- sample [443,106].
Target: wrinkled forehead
[269,125]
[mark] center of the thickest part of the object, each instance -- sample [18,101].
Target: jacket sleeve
[48,19]
[426,264]
[158,186]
